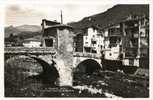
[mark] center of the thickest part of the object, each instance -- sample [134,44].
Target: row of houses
[127,40]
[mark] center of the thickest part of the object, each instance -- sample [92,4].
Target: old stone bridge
[65,65]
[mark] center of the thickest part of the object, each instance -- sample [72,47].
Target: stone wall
[64,58]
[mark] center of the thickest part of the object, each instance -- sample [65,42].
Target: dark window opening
[49,42]
[86,42]
[114,41]
[94,42]
[134,42]
[101,46]
[87,49]
[114,31]
[94,51]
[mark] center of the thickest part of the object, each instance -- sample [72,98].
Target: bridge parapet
[88,55]
[25,50]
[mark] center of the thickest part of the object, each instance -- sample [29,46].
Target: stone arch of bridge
[88,66]
[49,73]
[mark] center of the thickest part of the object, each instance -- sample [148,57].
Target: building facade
[52,31]
[128,41]
[136,44]
[49,36]
[89,40]
[112,42]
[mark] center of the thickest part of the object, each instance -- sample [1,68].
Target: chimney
[61,17]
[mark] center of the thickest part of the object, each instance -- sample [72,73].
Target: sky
[33,13]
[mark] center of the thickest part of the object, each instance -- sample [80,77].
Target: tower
[60,37]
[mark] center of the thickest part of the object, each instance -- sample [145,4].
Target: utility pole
[61,17]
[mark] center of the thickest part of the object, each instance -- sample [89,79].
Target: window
[94,42]
[114,39]
[101,46]
[142,22]
[147,32]
[94,29]
[142,34]
[49,42]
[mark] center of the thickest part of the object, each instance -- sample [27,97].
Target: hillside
[31,28]
[23,30]
[112,15]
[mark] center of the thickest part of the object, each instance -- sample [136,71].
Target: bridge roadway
[26,50]
[86,55]
[45,50]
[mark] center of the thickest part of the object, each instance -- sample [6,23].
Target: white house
[93,40]
[112,42]
[31,42]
